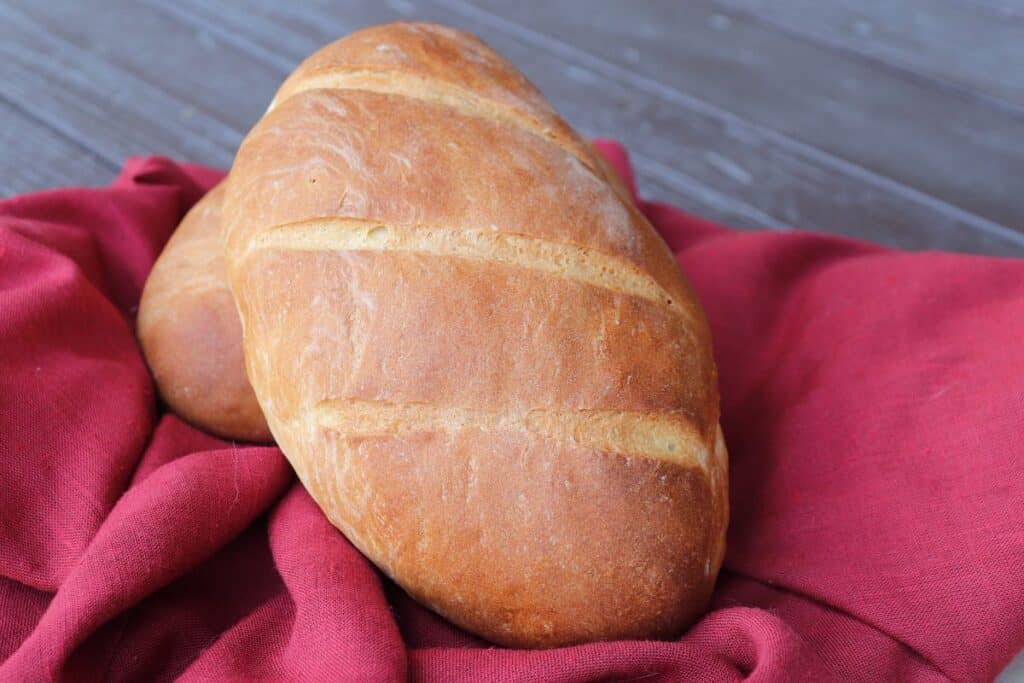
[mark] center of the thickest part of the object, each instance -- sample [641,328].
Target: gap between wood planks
[850,27]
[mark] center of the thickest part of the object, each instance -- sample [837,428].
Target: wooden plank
[105,109]
[934,140]
[733,171]
[1004,9]
[38,158]
[685,188]
[1014,672]
[697,198]
[948,41]
[188,64]
[687,165]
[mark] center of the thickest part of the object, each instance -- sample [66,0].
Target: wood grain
[100,106]
[942,40]
[879,121]
[44,157]
[188,79]
[1003,9]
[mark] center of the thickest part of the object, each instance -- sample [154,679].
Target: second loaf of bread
[189,332]
[481,360]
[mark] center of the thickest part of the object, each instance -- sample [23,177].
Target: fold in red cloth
[873,402]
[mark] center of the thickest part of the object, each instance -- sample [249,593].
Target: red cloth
[872,400]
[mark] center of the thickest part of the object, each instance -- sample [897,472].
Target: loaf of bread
[189,331]
[481,360]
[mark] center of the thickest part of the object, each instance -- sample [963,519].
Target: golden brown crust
[482,362]
[431,61]
[190,334]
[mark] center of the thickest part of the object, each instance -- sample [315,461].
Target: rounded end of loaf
[547,546]
[199,372]
[190,333]
[650,587]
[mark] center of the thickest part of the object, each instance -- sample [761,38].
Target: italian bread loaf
[482,362]
[189,331]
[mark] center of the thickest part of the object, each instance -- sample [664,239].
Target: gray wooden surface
[901,123]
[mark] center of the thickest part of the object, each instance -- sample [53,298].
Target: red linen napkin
[873,403]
